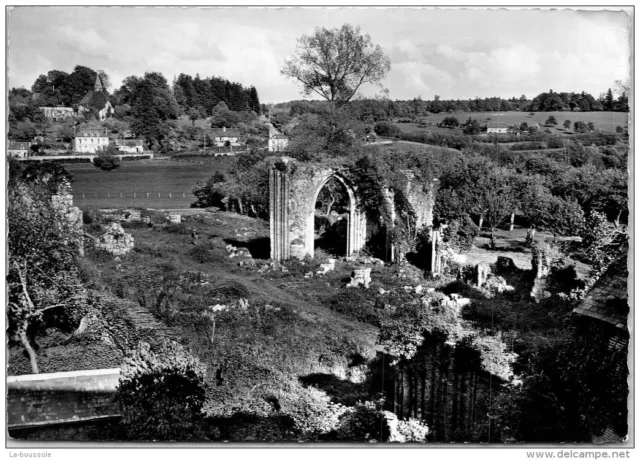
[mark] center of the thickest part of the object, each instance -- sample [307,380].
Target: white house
[497,127]
[91,140]
[129,145]
[58,113]
[18,149]
[222,135]
[277,141]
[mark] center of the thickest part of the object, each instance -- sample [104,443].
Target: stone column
[389,216]
[278,214]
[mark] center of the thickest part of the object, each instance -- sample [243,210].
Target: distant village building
[223,135]
[97,99]
[91,140]
[58,113]
[497,127]
[18,149]
[277,142]
[129,145]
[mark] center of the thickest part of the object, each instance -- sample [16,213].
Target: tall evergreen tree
[254,101]
[608,100]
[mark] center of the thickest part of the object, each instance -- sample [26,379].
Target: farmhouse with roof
[277,142]
[222,135]
[18,149]
[497,127]
[91,140]
[129,145]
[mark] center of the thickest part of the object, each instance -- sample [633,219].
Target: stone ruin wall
[292,200]
[293,190]
[40,406]
[72,215]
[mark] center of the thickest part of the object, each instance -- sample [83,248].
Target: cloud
[86,41]
[454,53]
[497,67]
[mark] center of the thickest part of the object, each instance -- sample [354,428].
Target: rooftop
[608,299]
[221,132]
[128,142]
[96,132]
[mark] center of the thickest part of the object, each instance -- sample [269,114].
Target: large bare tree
[334,63]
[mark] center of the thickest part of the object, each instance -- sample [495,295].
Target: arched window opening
[331,218]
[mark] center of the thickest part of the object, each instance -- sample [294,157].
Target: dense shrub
[106,161]
[386,129]
[363,423]
[555,143]
[411,430]
[203,254]
[563,276]
[176,229]
[161,395]
[84,352]
[356,303]
[311,410]
[460,233]
[529,146]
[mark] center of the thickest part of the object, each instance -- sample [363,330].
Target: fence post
[158,194]
[120,194]
[108,195]
[134,194]
[183,195]
[83,195]
[169,194]
[147,194]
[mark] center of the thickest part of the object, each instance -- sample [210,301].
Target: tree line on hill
[382,109]
[204,94]
[58,88]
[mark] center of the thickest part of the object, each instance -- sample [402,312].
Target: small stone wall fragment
[328,267]
[482,272]
[360,277]
[175,218]
[115,240]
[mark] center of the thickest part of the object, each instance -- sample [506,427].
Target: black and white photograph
[327,227]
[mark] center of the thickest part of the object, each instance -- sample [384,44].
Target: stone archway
[293,190]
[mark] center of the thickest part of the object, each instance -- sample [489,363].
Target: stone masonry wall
[40,400]
[293,193]
[63,202]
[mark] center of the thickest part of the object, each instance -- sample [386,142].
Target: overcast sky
[455,53]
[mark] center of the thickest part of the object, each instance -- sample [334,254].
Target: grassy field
[605,121]
[93,187]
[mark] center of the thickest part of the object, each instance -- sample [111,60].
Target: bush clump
[162,394]
[355,303]
[106,160]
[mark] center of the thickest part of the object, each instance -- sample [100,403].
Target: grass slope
[605,121]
